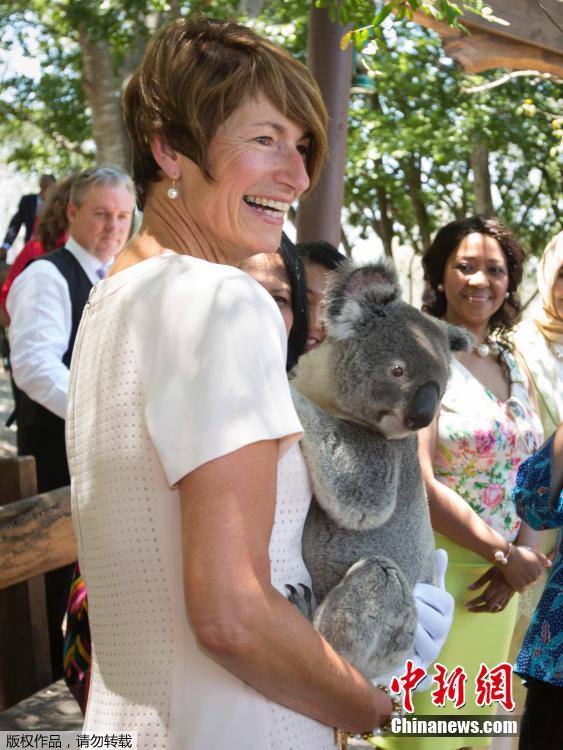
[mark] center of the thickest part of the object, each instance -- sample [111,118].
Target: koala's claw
[303,599]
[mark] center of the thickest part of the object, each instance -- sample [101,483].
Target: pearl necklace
[487,347]
[482,350]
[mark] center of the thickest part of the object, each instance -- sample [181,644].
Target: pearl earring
[172,192]
[507,295]
[440,287]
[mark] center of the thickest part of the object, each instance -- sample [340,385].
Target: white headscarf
[549,322]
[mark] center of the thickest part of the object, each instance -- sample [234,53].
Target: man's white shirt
[40,326]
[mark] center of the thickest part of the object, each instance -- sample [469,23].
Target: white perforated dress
[177,362]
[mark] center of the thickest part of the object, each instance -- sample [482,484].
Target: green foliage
[356,12]
[53,108]
[410,145]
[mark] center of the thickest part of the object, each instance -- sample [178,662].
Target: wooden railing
[36,536]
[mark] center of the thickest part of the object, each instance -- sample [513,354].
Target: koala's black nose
[422,407]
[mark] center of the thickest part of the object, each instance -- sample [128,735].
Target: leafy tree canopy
[410,143]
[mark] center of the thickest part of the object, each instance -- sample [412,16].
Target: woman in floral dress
[470,455]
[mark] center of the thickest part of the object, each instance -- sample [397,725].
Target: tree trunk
[103,93]
[385,223]
[413,175]
[319,215]
[479,162]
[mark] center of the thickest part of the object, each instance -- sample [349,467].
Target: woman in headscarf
[540,341]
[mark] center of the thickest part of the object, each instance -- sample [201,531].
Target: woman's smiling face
[257,162]
[475,281]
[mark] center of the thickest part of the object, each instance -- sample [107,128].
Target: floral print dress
[482,441]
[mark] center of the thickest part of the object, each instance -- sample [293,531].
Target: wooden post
[318,217]
[25,659]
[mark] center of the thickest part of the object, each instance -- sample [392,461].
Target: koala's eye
[396,371]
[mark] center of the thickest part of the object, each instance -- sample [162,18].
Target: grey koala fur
[377,378]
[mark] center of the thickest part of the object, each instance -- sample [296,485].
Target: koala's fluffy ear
[356,293]
[460,339]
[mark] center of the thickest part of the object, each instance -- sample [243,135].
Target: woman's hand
[524,567]
[495,596]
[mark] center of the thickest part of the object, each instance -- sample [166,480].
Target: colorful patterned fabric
[77,647]
[542,650]
[482,441]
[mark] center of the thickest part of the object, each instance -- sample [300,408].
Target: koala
[361,396]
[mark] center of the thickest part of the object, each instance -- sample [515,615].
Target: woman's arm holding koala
[455,519]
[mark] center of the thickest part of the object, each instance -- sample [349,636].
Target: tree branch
[508,77]
[58,138]
[530,300]
[532,201]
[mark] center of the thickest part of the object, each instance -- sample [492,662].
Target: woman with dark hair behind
[320,259]
[283,276]
[51,232]
[470,455]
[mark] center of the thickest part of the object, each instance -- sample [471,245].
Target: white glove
[435,612]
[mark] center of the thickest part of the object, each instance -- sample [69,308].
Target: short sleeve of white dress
[211,349]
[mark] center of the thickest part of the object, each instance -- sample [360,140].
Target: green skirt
[474,638]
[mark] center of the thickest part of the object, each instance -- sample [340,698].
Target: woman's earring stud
[172,191]
[440,287]
[507,295]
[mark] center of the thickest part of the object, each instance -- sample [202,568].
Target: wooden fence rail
[36,536]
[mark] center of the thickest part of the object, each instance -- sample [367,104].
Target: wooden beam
[36,536]
[484,51]
[528,22]
[481,51]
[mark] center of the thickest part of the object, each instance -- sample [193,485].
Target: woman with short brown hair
[188,487]
[189,491]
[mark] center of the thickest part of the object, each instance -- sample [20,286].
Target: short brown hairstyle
[194,74]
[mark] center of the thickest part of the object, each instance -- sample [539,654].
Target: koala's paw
[302,599]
